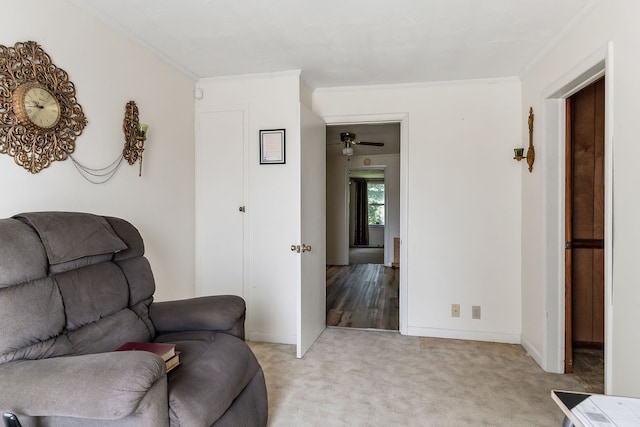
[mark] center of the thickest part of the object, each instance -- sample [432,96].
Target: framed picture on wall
[272,146]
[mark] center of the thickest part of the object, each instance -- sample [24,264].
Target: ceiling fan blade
[375,144]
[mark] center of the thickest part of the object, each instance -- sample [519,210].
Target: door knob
[306,248]
[295,248]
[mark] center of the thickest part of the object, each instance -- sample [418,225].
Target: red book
[166,351]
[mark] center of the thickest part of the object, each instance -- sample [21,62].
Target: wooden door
[584,218]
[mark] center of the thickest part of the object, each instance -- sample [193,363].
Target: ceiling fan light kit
[349,139]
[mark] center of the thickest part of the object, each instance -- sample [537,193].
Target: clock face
[40,117]
[36,107]
[41,107]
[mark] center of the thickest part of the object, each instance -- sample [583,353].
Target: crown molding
[91,10]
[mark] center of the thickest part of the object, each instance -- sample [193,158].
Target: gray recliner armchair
[73,288]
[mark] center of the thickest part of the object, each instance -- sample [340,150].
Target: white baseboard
[555,367]
[533,352]
[277,339]
[464,335]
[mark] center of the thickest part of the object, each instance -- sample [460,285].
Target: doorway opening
[585,234]
[367,214]
[363,220]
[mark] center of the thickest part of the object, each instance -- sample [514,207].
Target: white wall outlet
[475,312]
[455,310]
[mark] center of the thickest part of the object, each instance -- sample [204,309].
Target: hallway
[363,296]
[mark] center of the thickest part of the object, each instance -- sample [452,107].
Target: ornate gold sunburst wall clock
[40,117]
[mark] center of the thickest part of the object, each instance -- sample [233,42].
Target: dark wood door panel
[598,297]
[583,154]
[585,215]
[582,295]
[586,244]
[587,150]
[588,296]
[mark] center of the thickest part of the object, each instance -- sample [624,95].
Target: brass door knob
[306,248]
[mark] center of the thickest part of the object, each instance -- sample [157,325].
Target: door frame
[568,237]
[598,64]
[403,119]
[347,194]
[568,225]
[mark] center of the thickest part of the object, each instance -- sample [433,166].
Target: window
[375,195]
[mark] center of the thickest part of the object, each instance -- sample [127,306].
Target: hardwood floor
[363,296]
[366,255]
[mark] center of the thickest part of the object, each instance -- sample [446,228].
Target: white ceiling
[345,42]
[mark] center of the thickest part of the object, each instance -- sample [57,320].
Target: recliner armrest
[222,313]
[103,386]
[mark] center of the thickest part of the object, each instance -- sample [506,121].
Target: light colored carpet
[369,378]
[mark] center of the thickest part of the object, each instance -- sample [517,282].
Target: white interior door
[312,290]
[220,221]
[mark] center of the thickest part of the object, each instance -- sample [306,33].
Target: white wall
[587,43]
[338,234]
[273,199]
[108,71]
[376,236]
[464,204]
[543,190]
[463,216]
[625,299]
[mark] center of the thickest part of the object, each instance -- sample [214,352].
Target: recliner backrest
[71,283]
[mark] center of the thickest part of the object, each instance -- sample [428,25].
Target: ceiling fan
[349,139]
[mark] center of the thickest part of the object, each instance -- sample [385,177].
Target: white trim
[554,155]
[404,224]
[110,22]
[278,339]
[558,38]
[395,86]
[608,226]
[586,72]
[464,335]
[531,350]
[593,67]
[403,119]
[346,215]
[356,119]
[269,75]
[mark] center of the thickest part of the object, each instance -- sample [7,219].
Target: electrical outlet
[455,310]
[475,312]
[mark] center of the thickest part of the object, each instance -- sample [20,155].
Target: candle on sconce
[519,153]
[142,131]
